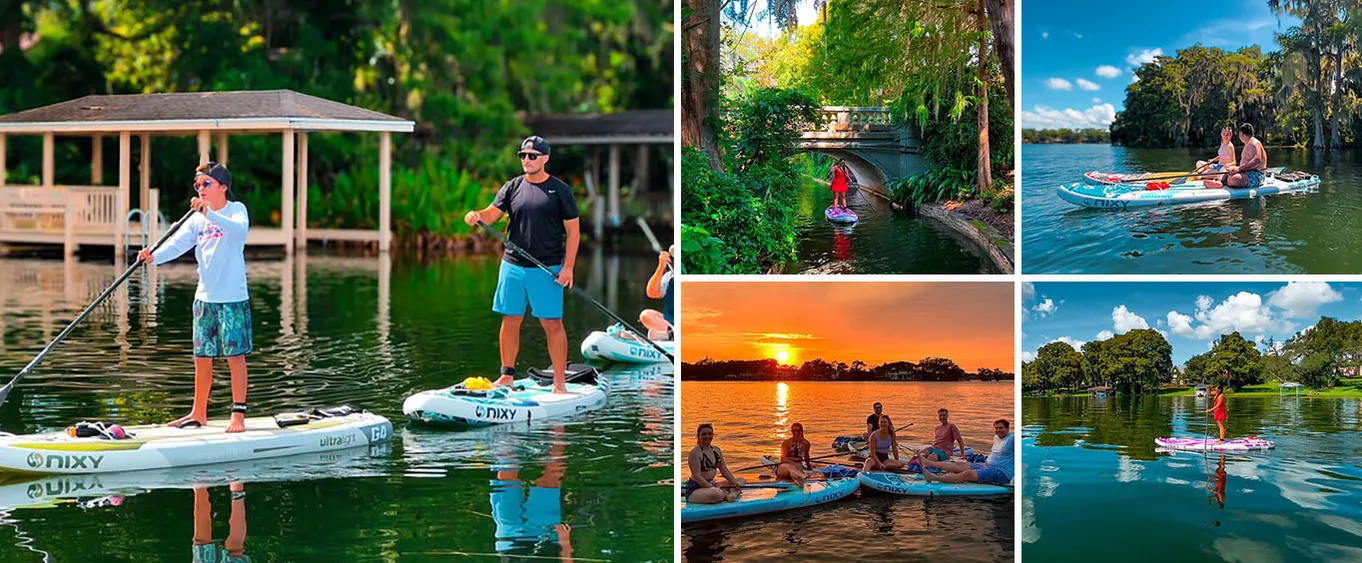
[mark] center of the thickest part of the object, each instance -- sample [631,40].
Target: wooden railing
[60,210]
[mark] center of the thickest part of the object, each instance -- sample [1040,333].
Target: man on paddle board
[1250,172]
[872,422]
[997,470]
[706,462]
[543,221]
[659,324]
[222,308]
[1220,409]
[883,446]
[794,456]
[947,434]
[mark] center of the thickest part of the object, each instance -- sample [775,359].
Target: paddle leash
[579,291]
[4,391]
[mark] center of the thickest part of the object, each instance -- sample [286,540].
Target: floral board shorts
[222,330]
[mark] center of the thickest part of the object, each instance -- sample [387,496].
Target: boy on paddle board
[660,325]
[997,470]
[884,448]
[794,456]
[706,462]
[947,434]
[1220,409]
[222,308]
[543,221]
[1248,174]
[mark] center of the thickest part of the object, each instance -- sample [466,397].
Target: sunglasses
[530,155]
[205,184]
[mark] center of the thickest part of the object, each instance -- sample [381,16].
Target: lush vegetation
[939,86]
[929,369]
[1304,94]
[1141,361]
[468,72]
[1068,136]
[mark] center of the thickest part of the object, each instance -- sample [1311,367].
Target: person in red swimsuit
[1220,410]
[839,183]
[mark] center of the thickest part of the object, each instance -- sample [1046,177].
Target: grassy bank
[1347,388]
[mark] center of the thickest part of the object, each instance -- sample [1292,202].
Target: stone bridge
[875,149]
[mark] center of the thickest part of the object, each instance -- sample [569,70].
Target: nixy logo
[64,461]
[496,413]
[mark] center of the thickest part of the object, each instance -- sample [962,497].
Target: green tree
[1136,362]
[1057,365]
[1234,361]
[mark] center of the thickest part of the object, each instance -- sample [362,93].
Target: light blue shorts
[518,286]
[990,475]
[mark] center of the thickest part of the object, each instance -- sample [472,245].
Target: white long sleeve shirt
[219,242]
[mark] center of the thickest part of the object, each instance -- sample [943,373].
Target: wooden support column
[641,170]
[301,242]
[598,209]
[615,220]
[124,190]
[222,149]
[205,146]
[4,167]
[286,209]
[144,190]
[97,161]
[385,191]
[49,168]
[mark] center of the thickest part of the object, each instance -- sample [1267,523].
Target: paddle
[4,391]
[579,291]
[648,232]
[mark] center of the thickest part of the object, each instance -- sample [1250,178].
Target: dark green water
[883,241]
[334,330]
[1095,484]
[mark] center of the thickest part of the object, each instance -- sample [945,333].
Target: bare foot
[238,423]
[560,390]
[926,475]
[505,380]
[190,421]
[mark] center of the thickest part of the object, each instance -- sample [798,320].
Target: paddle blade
[4,391]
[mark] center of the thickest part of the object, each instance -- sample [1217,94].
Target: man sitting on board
[947,435]
[872,422]
[997,470]
[660,325]
[1252,165]
[794,456]
[706,461]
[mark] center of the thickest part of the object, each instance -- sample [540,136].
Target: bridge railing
[846,119]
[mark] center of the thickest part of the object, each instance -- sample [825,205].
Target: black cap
[536,143]
[220,173]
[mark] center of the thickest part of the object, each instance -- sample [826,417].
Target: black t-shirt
[536,214]
[874,421]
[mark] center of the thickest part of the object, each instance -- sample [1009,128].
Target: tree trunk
[700,83]
[1000,16]
[985,161]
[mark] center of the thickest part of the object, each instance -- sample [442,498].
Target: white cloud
[1028,356]
[1125,321]
[1058,84]
[1108,71]
[1142,57]
[1028,291]
[1096,117]
[1097,100]
[1181,324]
[1045,308]
[1243,312]
[1302,299]
[1105,335]
[1088,85]
[1044,35]
[1077,344]
[1078,35]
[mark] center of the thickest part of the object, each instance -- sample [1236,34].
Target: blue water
[1314,233]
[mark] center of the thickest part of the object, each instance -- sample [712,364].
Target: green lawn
[1346,389]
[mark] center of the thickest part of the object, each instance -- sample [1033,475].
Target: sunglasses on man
[533,156]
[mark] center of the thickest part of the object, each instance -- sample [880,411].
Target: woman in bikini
[706,461]
[884,449]
[794,456]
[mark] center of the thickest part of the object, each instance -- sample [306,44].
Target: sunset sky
[875,322]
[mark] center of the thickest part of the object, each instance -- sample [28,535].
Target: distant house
[1100,391]
[1201,390]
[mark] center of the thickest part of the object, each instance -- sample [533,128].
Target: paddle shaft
[4,391]
[821,457]
[1190,175]
[579,291]
[648,232]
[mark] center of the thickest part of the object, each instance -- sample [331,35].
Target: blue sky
[1191,315]
[1077,59]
